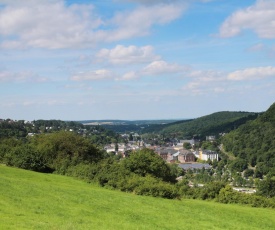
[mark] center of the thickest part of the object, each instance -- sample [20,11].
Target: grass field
[30,200]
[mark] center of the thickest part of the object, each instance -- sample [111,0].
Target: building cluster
[122,148]
[181,155]
[172,154]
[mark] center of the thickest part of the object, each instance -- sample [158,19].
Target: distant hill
[128,122]
[122,126]
[213,124]
[255,142]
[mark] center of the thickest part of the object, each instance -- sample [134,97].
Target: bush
[266,187]
[26,157]
[150,186]
[211,190]
[227,195]
[147,162]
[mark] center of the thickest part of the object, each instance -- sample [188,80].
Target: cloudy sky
[135,59]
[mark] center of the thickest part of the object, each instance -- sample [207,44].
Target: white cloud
[205,82]
[127,55]
[6,76]
[149,2]
[208,82]
[260,18]
[138,22]
[128,76]
[55,25]
[206,75]
[79,87]
[257,47]
[252,73]
[47,24]
[28,2]
[162,67]
[101,74]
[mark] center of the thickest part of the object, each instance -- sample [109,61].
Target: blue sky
[135,59]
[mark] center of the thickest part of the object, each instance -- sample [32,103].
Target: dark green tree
[147,162]
[187,145]
[266,187]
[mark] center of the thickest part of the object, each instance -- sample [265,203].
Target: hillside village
[171,153]
[164,164]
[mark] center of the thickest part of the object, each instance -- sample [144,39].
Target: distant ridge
[213,124]
[128,122]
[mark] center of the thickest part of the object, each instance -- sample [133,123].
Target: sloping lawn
[30,200]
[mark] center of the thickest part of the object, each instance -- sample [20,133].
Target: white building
[208,155]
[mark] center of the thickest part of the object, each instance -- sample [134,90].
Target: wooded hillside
[212,124]
[255,142]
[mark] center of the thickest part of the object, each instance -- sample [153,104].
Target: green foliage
[228,196]
[143,173]
[211,190]
[175,170]
[238,165]
[27,157]
[9,128]
[6,145]
[147,162]
[50,152]
[187,145]
[150,186]
[121,175]
[248,173]
[20,129]
[266,187]
[210,145]
[254,142]
[213,124]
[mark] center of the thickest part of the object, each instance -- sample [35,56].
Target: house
[172,156]
[110,148]
[185,156]
[210,138]
[191,142]
[178,146]
[120,148]
[166,153]
[197,154]
[208,155]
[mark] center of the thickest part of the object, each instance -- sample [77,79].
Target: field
[30,200]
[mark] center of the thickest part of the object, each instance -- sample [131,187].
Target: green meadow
[30,200]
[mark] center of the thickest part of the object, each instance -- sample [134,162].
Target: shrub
[211,190]
[227,195]
[26,157]
[147,162]
[150,186]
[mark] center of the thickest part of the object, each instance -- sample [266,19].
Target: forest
[254,143]
[20,129]
[213,124]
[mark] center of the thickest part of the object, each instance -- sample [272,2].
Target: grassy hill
[30,200]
